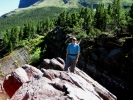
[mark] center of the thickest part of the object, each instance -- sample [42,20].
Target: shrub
[34,58]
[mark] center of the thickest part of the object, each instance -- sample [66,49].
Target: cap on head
[74,38]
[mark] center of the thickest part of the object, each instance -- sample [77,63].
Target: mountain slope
[67,3]
[41,9]
[22,16]
[34,4]
[42,3]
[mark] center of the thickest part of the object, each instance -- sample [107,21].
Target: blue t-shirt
[73,49]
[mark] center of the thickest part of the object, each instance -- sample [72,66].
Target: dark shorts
[70,62]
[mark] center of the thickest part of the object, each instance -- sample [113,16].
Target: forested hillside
[49,8]
[34,15]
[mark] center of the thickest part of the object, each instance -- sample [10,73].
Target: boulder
[21,75]
[54,63]
[14,80]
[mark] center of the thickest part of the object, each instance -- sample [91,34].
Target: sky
[8,5]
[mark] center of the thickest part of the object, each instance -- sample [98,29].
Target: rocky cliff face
[26,3]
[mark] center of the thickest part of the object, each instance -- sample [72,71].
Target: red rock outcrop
[30,83]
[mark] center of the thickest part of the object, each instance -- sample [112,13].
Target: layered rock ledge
[50,82]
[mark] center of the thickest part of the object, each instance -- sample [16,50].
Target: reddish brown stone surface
[11,85]
[30,83]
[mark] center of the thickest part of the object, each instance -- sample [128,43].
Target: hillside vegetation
[48,8]
[23,16]
[76,3]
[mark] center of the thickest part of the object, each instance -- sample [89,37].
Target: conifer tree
[116,14]
[21,34]
[131,11]
[81,13]
[99,17]
[48,24]
[110,9]
[130,20]
[106,20]
[30,33]
[75,19]
[17,32]
[25,30]
[61,20]
[10,46]
[68,19]
[15,35]
[39,25]
[33,30]
[29,30]
[6,40]
[109,16]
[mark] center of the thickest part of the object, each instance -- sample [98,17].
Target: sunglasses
[74,40]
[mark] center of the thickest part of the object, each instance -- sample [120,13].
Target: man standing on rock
[72,55]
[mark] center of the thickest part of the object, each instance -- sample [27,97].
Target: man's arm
[77,56]
[66,54]
[78,53]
